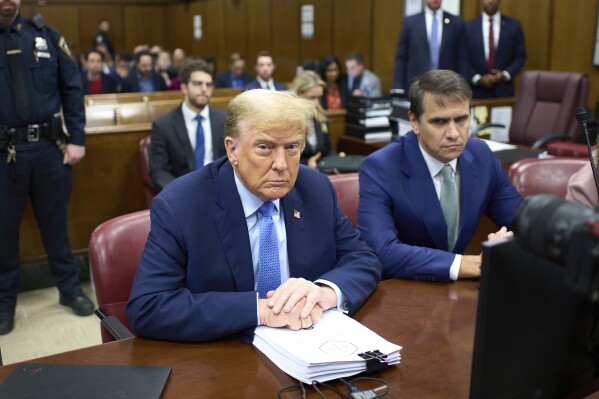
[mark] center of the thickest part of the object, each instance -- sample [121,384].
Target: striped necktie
[449,204]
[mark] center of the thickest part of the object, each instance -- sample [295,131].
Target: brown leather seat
[150,189]
[545,105]
[550,176]
[347,186]
[115,249]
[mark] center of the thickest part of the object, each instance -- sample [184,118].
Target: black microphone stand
[582,117]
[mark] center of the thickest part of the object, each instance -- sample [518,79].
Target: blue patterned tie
[434,44]
[199,152]
[269,268]
[449,204]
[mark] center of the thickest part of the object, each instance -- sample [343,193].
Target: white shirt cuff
[341,305]
[507,75]
[475,79]
[454,270]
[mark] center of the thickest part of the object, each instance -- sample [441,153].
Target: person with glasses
[191,135]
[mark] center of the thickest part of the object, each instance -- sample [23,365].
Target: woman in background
[311,87]
[581,186]
[335,93]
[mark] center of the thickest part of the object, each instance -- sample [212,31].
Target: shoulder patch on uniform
[62,44]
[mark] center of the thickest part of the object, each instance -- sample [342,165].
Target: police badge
[40,44]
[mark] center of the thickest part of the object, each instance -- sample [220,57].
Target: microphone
[583,117]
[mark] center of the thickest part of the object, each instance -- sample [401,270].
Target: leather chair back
[150,189]
[544,176]
[115,249]
[545,104]
[347,186]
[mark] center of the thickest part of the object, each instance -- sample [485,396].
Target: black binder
[75,381]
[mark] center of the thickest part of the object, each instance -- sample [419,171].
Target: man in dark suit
[175,135]
[496,52]
[103,38]
[255,239]
[419,50]
[143,78]
[265,67]
[236,76]
[423,195]
[94,81]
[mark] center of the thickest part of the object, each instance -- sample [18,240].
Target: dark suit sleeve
[519,55]
[401,58]
[71,91]
[160,306]
[463,49]
[376,221]
[160,165]
[217,124]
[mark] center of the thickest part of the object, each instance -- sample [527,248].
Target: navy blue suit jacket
[255,85]
[224,79]
[510,55]
[400,216]
[195,280]
[107,85]
[131,84]
[171,154]
[412,57]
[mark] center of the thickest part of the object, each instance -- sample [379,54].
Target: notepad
[72,381]
[337,346]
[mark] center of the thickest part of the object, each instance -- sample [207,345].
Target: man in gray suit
[361,81]
[191,135]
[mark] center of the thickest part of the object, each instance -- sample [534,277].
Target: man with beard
[38,77]
[143,78]
[191,135]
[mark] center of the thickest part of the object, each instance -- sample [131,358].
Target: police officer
[37,77]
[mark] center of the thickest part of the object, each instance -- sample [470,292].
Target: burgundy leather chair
[150,189]
[115,249]
[347,186]
[546,102]
[549,176]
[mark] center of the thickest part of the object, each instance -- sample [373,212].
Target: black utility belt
[31,133]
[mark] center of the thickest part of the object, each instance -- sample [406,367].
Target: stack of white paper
[325,352]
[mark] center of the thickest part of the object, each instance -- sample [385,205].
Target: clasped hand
[297,303]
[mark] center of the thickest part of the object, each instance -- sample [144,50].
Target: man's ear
[414,122]
[231,146]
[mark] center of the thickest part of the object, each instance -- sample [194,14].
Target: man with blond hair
[251,239]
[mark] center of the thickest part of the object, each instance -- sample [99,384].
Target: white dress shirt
[496,32]
[434,167]
[267,85]
[192,128]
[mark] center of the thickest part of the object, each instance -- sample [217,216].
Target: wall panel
[64,18]
[352,28]
[322,42]
[179,27]
[236,37]
[286,38]
[259,32]
[89,19]
[388,16]
[143,24]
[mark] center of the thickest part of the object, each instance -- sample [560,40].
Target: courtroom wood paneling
[236,38]
[322,42]
[89,19]
[286,38]
[213,30]
[388,15]
[259,31]
[143,25]
[178,22]
[352,28]
[573,40]
[63,16]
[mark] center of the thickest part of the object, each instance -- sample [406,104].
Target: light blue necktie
[269,267]
[199,152]
[449,204]
[434,43]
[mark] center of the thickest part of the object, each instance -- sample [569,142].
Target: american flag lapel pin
[296,214]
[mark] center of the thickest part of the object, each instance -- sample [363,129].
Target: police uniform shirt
[52,79]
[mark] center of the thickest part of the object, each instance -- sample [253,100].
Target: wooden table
[433,322]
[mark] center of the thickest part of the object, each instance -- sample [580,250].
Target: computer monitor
[532,328]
